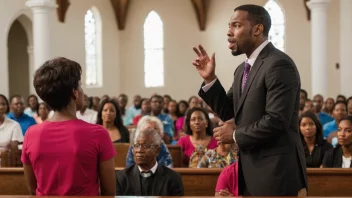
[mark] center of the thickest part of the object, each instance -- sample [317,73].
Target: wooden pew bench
[202,182]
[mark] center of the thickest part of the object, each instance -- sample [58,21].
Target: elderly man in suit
[264,103]
[147,177]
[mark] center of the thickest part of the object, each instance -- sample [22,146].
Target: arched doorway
[18,45]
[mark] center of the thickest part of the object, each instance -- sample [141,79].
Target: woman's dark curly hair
[55,80]
[208,130]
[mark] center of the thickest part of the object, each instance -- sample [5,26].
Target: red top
[228,179]
[65,156]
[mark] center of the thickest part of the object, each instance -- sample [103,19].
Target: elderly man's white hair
[144,121]
[151,132]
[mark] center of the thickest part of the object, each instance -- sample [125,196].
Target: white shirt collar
[256,52]
[152,169]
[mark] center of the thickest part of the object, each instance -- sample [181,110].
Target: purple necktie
[247,68]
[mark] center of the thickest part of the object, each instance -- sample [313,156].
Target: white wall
[123,51]
[68,40]
[345,46]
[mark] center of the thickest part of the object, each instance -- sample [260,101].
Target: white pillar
[319,30]
[42,11]
[31,68]
[345,47]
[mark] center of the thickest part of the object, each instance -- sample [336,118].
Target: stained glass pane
[153,51]
[277,31]
[90,36]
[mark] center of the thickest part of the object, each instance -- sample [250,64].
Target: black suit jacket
[272,159]
[167,182]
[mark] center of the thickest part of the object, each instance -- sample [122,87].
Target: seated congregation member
[32,102]
[151,122]
[183,107]
[318,104]
[42,113]
[308,106]
[227,184]
[86,114]
[65,156]
[10,131]
[147,177]
[341,156]
[199,134]
[341,98]
[328,106]
[311,134]
[145,110]
[134,110]
[220,157]
[18,115]
[122,101]
[339,112]
[110,118]
[157,103]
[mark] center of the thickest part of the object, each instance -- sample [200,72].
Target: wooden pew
[11,158]
[202,182]
[121,150]
[176,155]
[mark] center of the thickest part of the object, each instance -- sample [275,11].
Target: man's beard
[138,106]
[246,43]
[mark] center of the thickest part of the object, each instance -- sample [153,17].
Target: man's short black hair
[55,80]
[257,15]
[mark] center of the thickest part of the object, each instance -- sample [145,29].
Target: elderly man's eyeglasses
[144,146]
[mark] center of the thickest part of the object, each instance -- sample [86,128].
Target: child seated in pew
[220,157]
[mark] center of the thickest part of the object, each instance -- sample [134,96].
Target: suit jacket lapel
[237,88]
[136,181]
[255,68]
[159,179]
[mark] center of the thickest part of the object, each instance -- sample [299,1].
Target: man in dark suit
[263,102]
[146,177]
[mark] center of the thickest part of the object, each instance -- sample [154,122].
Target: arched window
[92,36]
[277,31]
[153,51]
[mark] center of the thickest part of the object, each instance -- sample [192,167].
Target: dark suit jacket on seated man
[147,177]
[264,102]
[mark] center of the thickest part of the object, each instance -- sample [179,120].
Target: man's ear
[258,29]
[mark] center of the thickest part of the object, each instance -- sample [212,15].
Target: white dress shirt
[89,116]
[153,169]
[251,60]
[346,162]
[10,130]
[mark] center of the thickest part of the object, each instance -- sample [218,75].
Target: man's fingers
[195,63]
[196,51]
[202,50]
[213,58]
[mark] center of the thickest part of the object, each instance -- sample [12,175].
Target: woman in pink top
[65,156]
[199,133]
[227,184]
